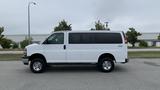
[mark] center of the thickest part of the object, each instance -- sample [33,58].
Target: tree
[1,35]
[6,43]
[63,26]
[158,37]
[100,26]
[132,36]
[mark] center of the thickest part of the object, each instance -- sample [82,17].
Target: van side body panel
[79,53]
[91,53]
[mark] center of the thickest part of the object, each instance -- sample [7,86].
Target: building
[150,38]
[20,37]
[37,38]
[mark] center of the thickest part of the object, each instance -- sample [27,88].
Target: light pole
[107,26]
[29,34]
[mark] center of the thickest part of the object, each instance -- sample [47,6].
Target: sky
[143,15]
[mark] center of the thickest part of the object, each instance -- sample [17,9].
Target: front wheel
[37,65]
[106,65]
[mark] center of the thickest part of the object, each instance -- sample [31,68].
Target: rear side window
[80,38]
[95,38]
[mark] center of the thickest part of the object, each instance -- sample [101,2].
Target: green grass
[135,54]
[10,57]
[150,47]
[144,54]
[11,49]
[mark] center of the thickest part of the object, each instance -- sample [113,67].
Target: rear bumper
[25,60]
[126,61]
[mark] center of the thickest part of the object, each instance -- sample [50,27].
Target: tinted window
[80,38]
[95,38]
[56,38]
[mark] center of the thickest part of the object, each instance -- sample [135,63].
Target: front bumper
[25,60]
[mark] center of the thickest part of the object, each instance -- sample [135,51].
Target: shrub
[143,43]
[158,37]
[14,45]
[25,42]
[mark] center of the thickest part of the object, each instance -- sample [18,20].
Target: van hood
[32,45]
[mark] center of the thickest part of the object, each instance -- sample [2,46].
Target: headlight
[25,52]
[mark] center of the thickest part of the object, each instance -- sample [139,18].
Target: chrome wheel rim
[37,66]
[107,65]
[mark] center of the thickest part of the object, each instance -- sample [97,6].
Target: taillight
[125,39]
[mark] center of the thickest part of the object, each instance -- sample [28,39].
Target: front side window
[56,38]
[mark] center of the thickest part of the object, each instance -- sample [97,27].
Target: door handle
[64,47]
[120,45]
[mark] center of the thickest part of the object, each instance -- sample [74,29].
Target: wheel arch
[106,55]
[37,55]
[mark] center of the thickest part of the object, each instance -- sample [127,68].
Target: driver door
[54,48]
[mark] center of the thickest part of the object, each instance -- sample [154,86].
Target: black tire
[38,63]
[106,65]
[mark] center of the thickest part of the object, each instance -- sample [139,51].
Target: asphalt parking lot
[138,74]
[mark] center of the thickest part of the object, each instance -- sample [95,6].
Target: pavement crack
[152,63]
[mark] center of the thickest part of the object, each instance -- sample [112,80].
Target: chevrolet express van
[102,48]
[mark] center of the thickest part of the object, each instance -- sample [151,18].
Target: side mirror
[46,41]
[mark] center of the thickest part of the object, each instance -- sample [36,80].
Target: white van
[103,48]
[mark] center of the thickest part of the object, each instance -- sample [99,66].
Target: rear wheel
[37,65]
[106,65]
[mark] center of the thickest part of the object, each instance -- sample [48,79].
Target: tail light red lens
[125,39]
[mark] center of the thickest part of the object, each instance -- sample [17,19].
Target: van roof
[90,31]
